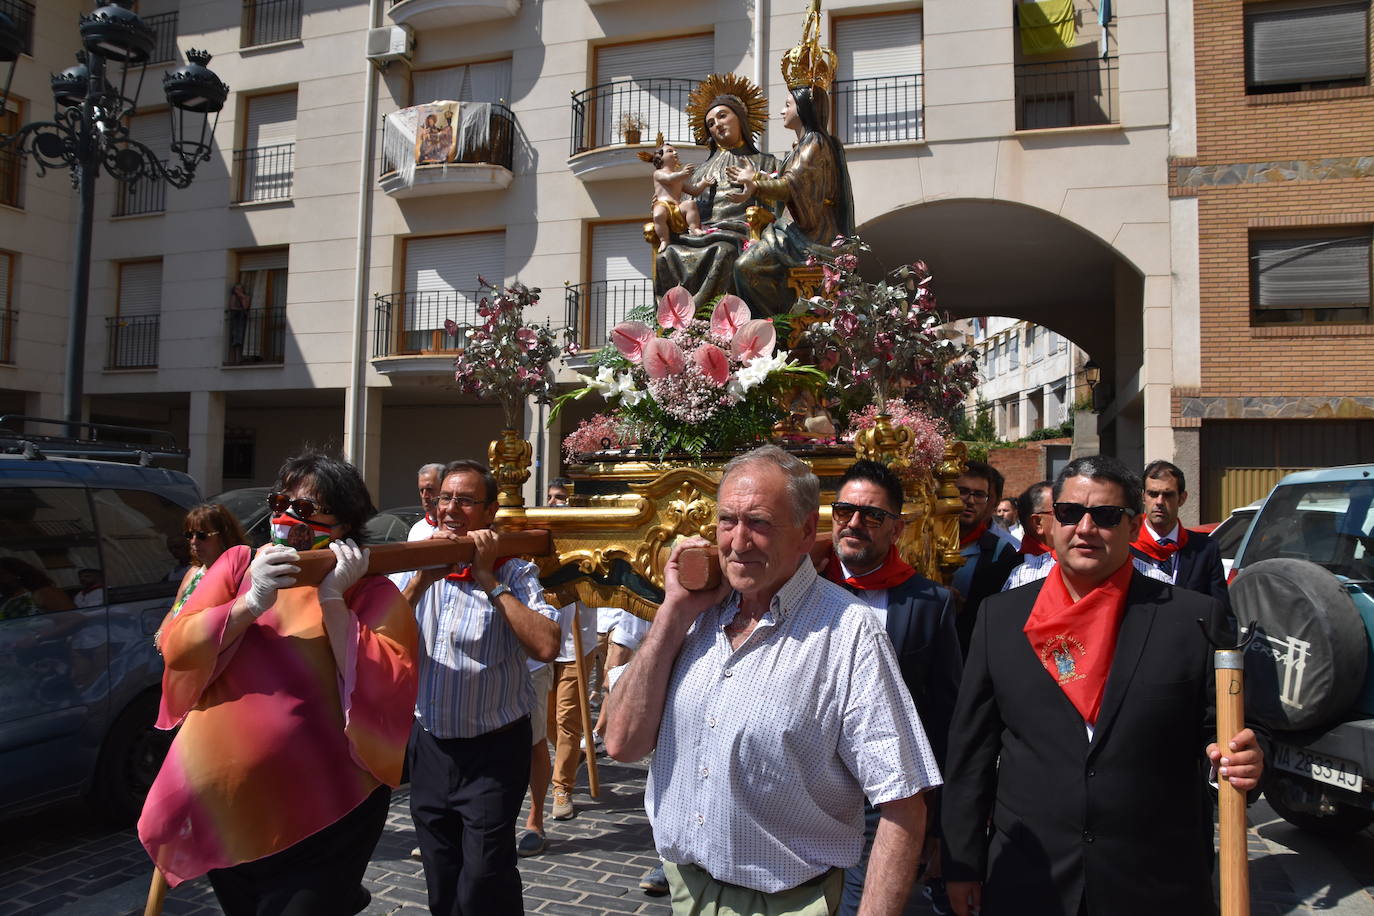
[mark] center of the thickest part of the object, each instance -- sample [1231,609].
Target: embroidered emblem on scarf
[1076,640]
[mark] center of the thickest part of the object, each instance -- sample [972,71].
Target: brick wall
[1239,360]
[1022,465]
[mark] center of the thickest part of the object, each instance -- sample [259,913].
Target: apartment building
[1271,203]
[1029,171]
[1030,377]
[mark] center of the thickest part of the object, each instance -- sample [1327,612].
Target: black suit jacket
[996,558]
[1123,821]
[1199,567]
[921,623]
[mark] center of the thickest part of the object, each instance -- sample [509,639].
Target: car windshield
[1330,524]
[1231,532]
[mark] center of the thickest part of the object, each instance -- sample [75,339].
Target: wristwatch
[501,589]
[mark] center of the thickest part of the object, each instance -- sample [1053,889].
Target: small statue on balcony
[673,211]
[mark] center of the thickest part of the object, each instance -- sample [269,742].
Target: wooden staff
[1234,860]
[583,706]
[393,558]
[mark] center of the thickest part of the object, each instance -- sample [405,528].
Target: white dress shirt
[1027,573]
[766,752]
[875,598]
[1170,566]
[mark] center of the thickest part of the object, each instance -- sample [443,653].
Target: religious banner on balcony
[1047,26]
[436,133]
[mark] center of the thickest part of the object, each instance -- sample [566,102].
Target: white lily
[629,394]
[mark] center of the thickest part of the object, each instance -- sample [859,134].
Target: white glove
[350,565]
[270,570]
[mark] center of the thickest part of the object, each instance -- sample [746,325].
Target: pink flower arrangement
[928,433]
[601,431]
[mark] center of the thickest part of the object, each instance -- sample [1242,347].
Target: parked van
[91,553]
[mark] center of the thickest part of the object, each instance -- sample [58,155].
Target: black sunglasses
[872,515]
[1103,516]
[303,507]
[200,535]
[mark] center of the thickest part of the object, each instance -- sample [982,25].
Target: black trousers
[322,875]
[465,796]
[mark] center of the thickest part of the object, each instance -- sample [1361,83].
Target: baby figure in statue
[674,204]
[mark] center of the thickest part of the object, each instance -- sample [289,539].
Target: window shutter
[642,71]
[271,259]
[155,132]
[874,46]
[6,260]
[271,120]
[878,96]
[1307,272]
[441,283]
[140,288]
[1307,45]
[622,277]
[684,58]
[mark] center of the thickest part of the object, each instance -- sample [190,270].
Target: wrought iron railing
[269,21]
[1069,93]
[131,341]
[253,336]
[264,173]
[499,150]
[601,114]
[147,195]
[880,109]
[21,13]
[595,308]
[165,27]
[413,322]
[8,319]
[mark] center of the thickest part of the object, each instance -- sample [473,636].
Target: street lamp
[90,131]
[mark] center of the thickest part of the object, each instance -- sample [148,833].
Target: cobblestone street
[64,863]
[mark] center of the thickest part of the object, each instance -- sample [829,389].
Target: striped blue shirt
[473,677]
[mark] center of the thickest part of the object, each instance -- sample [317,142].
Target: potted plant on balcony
[632,125]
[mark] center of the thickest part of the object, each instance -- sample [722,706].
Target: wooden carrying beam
[392,558]
[699,568]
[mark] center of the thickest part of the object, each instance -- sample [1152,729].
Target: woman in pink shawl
[294,706]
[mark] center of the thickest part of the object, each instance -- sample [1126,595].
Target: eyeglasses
[200,535]
[975,495]
[1102,516]
[302,507]
[462,502]
[873,516]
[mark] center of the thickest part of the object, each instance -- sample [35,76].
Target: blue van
[91,553]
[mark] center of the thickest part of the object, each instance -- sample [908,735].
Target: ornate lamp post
[90,131]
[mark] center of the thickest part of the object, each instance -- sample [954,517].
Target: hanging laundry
[1046,26]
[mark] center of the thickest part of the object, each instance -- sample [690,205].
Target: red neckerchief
[891,574]
[975,534]
[465,574]
[1145,542]
[1075,640]
[1031,545]
[429,519]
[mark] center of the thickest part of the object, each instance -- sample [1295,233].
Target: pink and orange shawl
[276,743]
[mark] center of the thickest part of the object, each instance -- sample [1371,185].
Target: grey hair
[803,486]
[434,467]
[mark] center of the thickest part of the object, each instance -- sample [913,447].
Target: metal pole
[87,167]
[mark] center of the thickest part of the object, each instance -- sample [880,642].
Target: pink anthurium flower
[754,338]
[675,309]
[713,362]
[729,316]
[630,337]
[662,358]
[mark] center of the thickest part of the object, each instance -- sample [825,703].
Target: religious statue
[813,183]
[672,210]
[726,112]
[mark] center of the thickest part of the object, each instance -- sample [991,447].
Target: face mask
[291,531]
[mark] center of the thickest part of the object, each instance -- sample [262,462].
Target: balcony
[436,14]
[164,25]
[482,153]
[603,150]
[880,109]
[8,319]
[1069,93]
[141,197]
[254,337]
[21,13]
[269,22]
[408,336]
[595,308]
[265,173]
[131,342]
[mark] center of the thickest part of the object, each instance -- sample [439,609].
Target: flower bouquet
[504,357]
[695,384]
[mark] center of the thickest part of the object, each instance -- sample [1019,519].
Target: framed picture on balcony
[434,133]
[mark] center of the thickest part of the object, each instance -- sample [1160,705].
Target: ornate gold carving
[806,282]
[948,506]
[886,443]
[810,64]
[509,458]
[758,219]
[686,498]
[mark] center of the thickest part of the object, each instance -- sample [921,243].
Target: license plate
[1334,771]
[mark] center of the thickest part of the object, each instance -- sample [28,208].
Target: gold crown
[658,145]
[810,64]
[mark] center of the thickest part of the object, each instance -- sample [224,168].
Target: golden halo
[716,85]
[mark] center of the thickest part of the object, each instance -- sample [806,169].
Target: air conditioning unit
[392,42]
